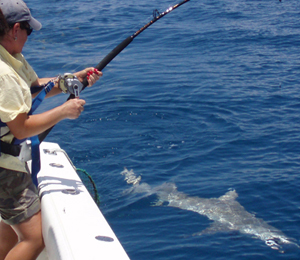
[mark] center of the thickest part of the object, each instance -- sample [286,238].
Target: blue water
[207,98]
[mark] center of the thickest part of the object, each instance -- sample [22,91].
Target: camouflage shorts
[18,197]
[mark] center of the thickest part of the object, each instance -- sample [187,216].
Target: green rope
[95,194]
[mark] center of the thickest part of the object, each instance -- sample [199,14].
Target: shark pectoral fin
[159,203]
[213,228]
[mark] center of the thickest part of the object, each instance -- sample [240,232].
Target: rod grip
[109,57]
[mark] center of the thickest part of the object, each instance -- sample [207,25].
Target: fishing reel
[69,83]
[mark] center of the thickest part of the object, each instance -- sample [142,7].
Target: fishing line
[119,48]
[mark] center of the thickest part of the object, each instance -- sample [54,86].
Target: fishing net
[89,184]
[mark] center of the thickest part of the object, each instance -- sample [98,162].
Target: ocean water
[206,98]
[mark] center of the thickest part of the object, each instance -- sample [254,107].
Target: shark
[226,212]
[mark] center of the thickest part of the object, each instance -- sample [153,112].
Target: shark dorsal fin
[230,195]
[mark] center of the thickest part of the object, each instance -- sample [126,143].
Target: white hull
[73,226]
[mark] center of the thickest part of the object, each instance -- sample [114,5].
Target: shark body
[226,212]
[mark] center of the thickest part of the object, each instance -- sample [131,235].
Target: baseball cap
[17,11]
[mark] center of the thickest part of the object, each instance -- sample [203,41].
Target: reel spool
[69,83]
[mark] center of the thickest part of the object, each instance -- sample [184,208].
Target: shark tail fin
[130,177]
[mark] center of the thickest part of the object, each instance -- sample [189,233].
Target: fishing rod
[110,56]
